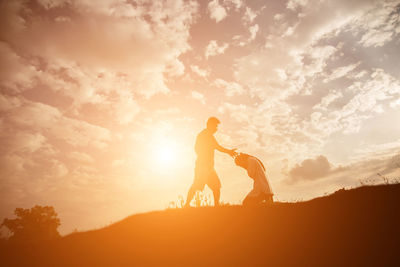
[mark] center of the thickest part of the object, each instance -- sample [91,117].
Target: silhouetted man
[204,172]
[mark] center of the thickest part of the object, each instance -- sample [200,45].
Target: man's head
[212,124]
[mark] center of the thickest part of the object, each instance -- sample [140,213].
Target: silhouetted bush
[35,224]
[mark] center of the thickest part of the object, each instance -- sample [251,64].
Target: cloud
[236,3]
[121,41]
[376,38]
[249,15]
[368,99]
[125,107]
[41,118]
[318,20]
[341,72]
[230,88]
[294,47]
[237,112]
[395,103]
[326,101]
[393,165]
[253,31]
[198,96]
[81,157]
[56,169]
[16,73]
[378,26]
[26,142]
[201,72]
[217,11]
[242,41]
[311,169]
[295,66]
[294,4]
[214,49]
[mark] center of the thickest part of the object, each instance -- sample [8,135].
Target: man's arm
[231,152]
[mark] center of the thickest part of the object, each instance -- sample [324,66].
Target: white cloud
[365,103]
[236,3]
[198,96]
[294,4]
[240,40]
[395,103]
[24,142]
[217,11]
[12,163]
[288,72]
[201,72]
[16,74]
[378,26]
[318,19]
[236,112]
[327,100]
[114,42]
[126,108]
[340,72]
[214,49]
[230,88]
[249,15]
[9,102]
[253,31]
[81,157]
[258,71]
[278,17]
[44,118]
[56,169]
[376,38]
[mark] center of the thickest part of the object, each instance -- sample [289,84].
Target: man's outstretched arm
[231,152]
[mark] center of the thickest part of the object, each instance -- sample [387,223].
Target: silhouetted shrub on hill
[31,225]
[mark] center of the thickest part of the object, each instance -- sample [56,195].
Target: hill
[358,227]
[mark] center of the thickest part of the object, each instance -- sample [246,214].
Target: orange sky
[101,101]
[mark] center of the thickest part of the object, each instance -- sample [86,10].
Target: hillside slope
[354,227]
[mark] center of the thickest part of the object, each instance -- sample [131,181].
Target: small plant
[385,179]
[201,199]
[180,203]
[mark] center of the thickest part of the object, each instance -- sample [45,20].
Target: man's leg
[190,195]
[270,199]
[216,193]
[215,185]
[198,184]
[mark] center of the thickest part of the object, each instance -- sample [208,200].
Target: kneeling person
[261,188]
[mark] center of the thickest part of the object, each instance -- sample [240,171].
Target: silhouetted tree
[35,224]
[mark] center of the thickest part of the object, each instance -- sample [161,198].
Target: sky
[101,101]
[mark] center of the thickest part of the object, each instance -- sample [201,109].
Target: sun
[166,155]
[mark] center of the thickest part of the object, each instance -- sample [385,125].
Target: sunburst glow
[163,152]
[166,155]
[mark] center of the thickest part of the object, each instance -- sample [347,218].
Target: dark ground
[358,227]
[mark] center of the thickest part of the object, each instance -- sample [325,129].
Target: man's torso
[204,148]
